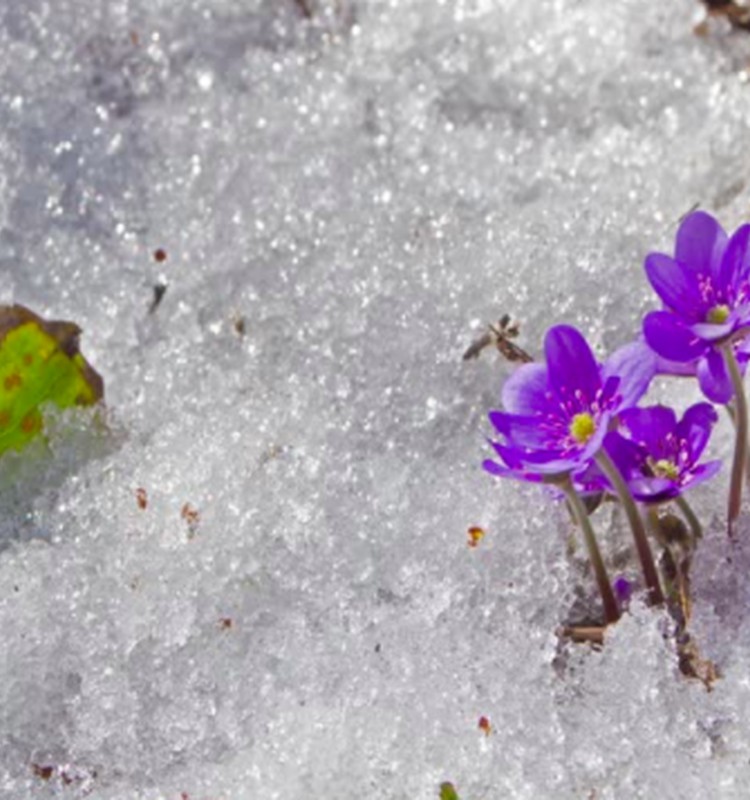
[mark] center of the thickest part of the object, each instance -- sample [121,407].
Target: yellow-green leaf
[39,363]
[448,791]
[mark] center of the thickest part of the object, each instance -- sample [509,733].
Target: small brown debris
[189,514]
[701,29]
[593,634]
[67,775]
[270,453]
[225,623]
[500,336]
[475,534]
[141,498]
[45,773]
[192,517]
[305,8]
[737,13]
[485,726]
[693,665]
[160,255]
[159,289]
[238,324]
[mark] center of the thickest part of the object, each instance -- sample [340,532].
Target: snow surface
[344,201]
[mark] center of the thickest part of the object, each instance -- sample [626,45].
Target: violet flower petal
[570,363]
[504,472]
[547,462]
[590,479]
[519,456]
[714,378]
[525,431]
[608,396]
[711,332]
[671,338]
[700,244]
[695,427]
[635,365]
[627,454]
[526,390]
[623,589]
[653,490]
[742,348]
[702,473]
[685,369]
[649,426]
[676,286]
[735,264]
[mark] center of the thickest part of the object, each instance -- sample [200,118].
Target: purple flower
[657,455]
[557,414]
[705,289]
[623,589]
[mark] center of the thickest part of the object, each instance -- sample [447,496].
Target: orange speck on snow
[476,535]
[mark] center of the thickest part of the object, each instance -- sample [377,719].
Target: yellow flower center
[718,314]
[582,427]
[664,468]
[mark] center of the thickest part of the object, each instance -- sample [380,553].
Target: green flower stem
[740,444]
[611,609]
[651,514]
[695,526]
[650,575]
[732,416]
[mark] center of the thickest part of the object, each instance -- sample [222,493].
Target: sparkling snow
[344,199]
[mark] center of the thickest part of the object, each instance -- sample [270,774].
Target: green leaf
[39,363]
[448,792]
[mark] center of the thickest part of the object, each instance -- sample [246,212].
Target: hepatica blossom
[557,414]
[573,422]
[705,289]
[555,420]
[659,456]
